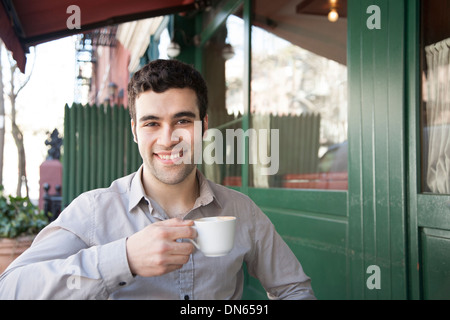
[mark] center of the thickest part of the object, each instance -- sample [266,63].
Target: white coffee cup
[215,235]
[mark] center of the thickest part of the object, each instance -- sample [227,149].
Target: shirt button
[122,283]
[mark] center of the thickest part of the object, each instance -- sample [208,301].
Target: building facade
[361,176]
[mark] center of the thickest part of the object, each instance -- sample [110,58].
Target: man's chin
[173,174]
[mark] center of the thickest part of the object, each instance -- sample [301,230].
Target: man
[130,241]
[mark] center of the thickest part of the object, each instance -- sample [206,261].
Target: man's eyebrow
[148,117]
[178,115]
[183,114]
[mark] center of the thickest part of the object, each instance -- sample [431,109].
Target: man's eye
[184,121]
[151,124]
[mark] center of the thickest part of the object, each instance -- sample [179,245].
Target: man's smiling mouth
[172,156]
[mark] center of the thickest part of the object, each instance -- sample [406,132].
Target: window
[298,111]
[223,67]
[299,89]
[435,113]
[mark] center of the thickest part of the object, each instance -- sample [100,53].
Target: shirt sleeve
[274,264]
[61,264]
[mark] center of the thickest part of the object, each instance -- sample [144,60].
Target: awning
[304,23]
[135,37]
[25,23]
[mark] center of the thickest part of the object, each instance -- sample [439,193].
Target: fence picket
[98,148]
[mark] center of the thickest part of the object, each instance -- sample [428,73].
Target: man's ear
[205,125]
[133,130]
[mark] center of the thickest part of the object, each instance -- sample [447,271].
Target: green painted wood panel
[413,162]
[320,245]
[436,264]
[434,211]
[66,160]
[377,149]
[333,203]
[93,120]
[314,225]
[98,148]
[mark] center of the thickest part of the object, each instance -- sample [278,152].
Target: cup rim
[214,219]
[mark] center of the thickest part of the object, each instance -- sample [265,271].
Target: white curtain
[437,96]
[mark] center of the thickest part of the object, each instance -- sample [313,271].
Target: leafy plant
[19,216]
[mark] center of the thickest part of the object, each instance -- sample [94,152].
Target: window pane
[299,87]
[223,65]
[435,115]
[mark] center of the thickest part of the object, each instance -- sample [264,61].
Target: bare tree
[2,117]
[16,83]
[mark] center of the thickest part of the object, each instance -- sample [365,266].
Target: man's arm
[59,265]
[274,264]
[65,262]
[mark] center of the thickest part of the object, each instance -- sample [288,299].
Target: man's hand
[154,251]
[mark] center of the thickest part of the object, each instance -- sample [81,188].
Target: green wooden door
[429,199]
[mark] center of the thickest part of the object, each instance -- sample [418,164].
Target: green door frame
[413,103]
[377,186]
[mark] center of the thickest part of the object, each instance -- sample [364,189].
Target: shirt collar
[207,194]
[137,192]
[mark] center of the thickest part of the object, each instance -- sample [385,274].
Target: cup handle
[193,241]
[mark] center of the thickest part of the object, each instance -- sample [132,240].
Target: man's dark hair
[161,75]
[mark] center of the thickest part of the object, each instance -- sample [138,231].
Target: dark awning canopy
[25,23]
[304,23]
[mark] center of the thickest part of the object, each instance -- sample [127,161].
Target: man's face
[164,123]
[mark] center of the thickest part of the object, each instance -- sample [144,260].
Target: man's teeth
[169,156]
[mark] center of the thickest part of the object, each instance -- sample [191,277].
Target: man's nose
[166,136]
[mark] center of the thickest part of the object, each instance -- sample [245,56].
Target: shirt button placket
[186,280]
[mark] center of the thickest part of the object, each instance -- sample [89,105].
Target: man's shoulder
[226,193]
[116,194]
[118,186]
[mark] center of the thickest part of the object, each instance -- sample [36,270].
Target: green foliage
[18,216]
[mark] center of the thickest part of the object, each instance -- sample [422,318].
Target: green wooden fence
[98,148]
[299,142]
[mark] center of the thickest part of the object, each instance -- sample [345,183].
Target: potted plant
[20,221]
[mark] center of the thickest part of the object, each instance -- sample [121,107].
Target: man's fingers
[182,248]
[173,254]
[174,230]
[176,222]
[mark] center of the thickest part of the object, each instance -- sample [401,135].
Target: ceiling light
[173,50]
[228,51]
[333,16]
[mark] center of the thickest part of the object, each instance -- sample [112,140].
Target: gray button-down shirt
[82,255]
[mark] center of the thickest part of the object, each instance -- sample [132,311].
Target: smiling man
[130,241]
[158,116]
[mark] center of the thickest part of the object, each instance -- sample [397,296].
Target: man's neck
[177,199]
